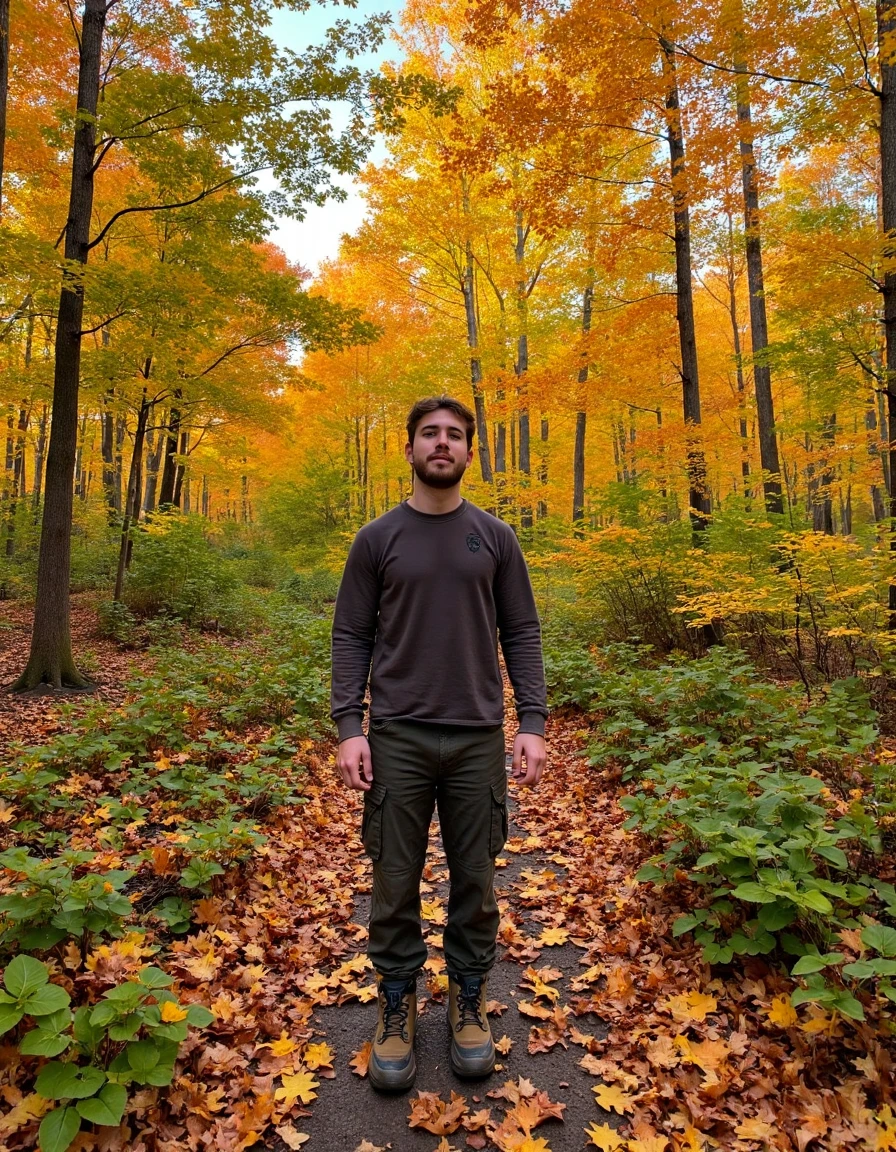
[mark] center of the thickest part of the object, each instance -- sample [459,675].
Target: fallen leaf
[291,1137]
[604,1137]
[782,1013]
[297,1086]
[361,1059]
[611,1096]
[691,1006]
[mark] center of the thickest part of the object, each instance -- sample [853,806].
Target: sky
[316,238]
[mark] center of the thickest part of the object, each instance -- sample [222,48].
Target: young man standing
[428,587]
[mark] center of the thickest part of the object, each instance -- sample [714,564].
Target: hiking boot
[392,1066]
[472,1046]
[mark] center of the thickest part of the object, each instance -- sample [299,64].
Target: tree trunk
[886,29]
[762,375]
[522,361]
[169,443]
[51,660]
[40,451]
[738,364]
[4,86]
[468,287]
[181,470]
[877,500]
[154,445]
[690,382]
[578,459]
[132,499]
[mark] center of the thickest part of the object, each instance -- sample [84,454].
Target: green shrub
[313,589]
[738,777]
[177,571]
[131,1037]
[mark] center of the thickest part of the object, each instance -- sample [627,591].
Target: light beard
[434,478]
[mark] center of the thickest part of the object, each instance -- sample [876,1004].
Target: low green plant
[131,1037]
[51,901]
[737,777]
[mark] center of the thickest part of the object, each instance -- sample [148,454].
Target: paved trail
[548,843]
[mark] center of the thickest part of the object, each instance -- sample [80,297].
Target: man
[427,589]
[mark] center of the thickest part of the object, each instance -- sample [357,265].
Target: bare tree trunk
[877,500]
[169,441]
[522,359]
[40,451]
[51,660]
[468,287]
[132,499]
[154,447]
[690,382]
[762,374]
[886,29]
[738,364]
[180,470]
[578,459]
[4,86]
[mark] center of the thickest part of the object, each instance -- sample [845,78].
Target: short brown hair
[430,404]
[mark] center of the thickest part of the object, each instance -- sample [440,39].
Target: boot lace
[395,1015]
[469,997]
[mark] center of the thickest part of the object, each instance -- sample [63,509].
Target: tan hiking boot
[472,1046]
[392,1067]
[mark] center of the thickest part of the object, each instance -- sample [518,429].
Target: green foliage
[131,1037]
[734,775]
[177,571]
[51,902]
[314,589]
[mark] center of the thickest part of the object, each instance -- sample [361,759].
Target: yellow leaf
[611,1096]
[172,1013]
[291,1137]
[532,1144]
[604,1137]
[297,1087]
[648,1144]
[782,1012]
[282,1047]
[552,936]
[27,1110]
[318,1056]
[504,1045]
[691,1006]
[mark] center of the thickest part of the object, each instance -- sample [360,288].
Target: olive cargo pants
[416,767]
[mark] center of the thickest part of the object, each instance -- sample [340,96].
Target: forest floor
[612,1034]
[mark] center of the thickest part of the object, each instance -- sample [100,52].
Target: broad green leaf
[9,1017]
[107,1107]
[835,855]
[817,901]
[24,975]
[199,1016]
[160,1076]
[848,1006]
[859,970]
[773,917]
[755,893]
[152,977]
[58,1129]
[86,1032]
[59,1081]
[807,964]
[143,1056]
[37,1042]
[104,1013]
[47,1000]
[880,938]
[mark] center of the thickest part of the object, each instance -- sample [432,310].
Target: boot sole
[391,1082]
[475,1069]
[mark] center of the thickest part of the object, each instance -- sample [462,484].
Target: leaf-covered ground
[612,1034]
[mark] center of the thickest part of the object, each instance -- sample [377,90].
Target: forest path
[556,841]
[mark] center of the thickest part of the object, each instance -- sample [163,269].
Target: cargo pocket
[372,821]
[498,834]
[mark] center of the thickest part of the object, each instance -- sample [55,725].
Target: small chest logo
[473,542]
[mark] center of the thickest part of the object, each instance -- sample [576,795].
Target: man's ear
[409,452]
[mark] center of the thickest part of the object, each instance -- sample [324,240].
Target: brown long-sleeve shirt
[422,602]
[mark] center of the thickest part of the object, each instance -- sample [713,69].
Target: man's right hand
[354,763]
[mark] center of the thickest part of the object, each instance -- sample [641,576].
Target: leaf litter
[680,1056]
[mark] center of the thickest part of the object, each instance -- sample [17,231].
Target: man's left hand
[529,747]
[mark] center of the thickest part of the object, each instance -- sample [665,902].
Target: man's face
[439,454]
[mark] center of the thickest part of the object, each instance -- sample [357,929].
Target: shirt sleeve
[353,636]
[519,631]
